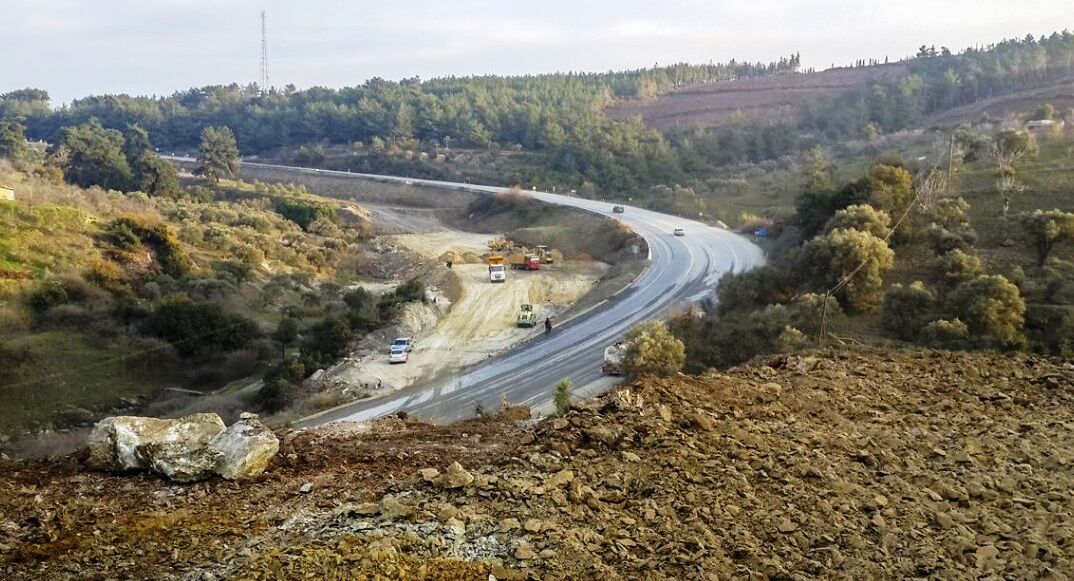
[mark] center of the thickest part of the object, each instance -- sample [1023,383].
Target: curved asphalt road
[681,270]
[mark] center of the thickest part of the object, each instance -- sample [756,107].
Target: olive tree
[862,217]
[652,350]
[906,308]
[1044,229]
[956,266]
[990,305]
[891,189]
[950,228]
[857,259]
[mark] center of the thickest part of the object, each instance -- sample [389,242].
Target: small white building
[6,193]
[1044,125]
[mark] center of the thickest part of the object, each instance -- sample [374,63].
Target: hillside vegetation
[107,298]
[553,130]
[902,254]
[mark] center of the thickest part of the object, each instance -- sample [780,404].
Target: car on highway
[404,343]
[398,355]
[618,209]
[679,232]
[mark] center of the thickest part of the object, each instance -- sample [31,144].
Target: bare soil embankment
[768,99]
[855,464]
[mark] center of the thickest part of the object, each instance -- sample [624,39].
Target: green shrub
[1051,329]
[652,351]
[956,266]
[858,260]
[410,291]
[944,240]
[326,343]
[194,328]
[906,308]
[951,334]
[562,397]
[286,332]
[990,306]
[862,217]
[47,295]
[130,231]
[305,212]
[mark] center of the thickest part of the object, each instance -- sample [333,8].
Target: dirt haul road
[482,322]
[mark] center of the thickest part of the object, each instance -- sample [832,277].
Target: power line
[846,279]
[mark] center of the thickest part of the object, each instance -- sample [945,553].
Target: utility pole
[263,83]
[950,163]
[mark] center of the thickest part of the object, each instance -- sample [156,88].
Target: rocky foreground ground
[853,464]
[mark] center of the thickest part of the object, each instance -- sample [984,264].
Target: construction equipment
[544,255]
[501,244]
[613,358]
[497,270]
[527,317]
[524,262]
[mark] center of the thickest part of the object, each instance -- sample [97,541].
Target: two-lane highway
[681,270]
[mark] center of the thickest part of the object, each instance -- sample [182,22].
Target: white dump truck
[497,269]
[613,358]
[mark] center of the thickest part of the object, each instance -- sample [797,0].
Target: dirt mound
[849,464]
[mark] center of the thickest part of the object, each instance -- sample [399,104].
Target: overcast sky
[74,48]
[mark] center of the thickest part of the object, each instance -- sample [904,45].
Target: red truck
[524,262]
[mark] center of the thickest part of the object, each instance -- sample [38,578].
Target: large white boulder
[245,449]
[184,454]
[128,442]
[184,450]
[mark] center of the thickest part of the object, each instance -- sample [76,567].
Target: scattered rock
[367,509]
[456,477]
[986,556]
[786,526]
[456,526]
[393,508]
[524,553]
[703,422]
[560,479]
[305,488]
[769,392]
[501,573]
[429,474]
[602,433]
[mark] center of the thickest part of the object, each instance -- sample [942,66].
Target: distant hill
[1060,95]
[775,97]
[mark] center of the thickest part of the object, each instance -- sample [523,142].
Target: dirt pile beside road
[850,464]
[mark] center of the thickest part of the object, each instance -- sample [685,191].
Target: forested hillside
[559,119]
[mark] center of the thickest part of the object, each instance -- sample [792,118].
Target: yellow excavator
[527,317]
